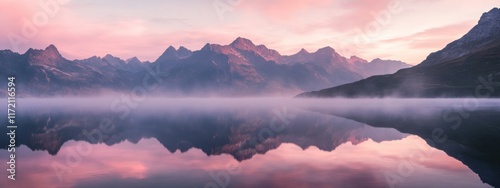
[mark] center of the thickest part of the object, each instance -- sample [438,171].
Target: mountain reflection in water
[271,143]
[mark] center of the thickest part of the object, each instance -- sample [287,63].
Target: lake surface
[266,142]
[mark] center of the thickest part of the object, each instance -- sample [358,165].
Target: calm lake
[254,142]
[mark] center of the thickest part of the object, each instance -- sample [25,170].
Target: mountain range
[238,69]
[467,67]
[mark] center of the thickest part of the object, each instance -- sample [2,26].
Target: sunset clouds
[83,28]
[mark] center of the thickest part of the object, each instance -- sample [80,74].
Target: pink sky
[83,28]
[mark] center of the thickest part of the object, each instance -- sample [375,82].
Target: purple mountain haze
[238,69]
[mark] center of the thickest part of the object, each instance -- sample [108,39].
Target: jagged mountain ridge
[47,73]
[238,69]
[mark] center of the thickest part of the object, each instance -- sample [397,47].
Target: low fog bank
[116,103]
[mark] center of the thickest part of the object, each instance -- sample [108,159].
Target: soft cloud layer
[82,28]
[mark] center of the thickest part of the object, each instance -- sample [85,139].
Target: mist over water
[388,104]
